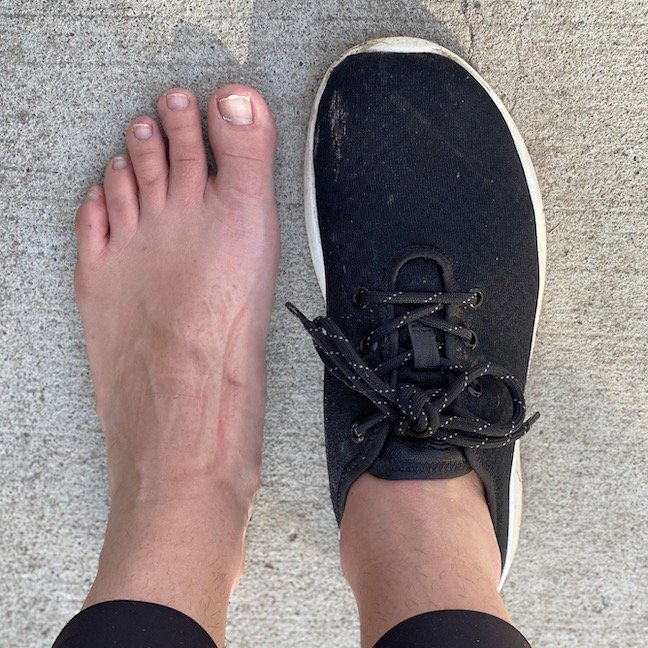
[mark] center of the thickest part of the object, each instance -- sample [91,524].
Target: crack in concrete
[521,73]
[465,9]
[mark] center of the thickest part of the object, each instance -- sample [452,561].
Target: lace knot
[420,418]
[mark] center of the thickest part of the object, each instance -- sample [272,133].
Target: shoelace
[412,410]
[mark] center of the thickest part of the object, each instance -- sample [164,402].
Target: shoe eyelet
[356,435]
[358,294]
[480,298]
[475,389]
[472,343]
[364,345]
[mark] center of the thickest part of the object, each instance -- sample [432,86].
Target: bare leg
[175,284]
[409,547]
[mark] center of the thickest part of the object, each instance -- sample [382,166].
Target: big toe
[243,138]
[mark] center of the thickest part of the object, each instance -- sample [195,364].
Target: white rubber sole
[417,45]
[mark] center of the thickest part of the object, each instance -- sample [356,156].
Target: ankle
[409,547]
[437,514]
[187,553]
[168,493]
[144,526]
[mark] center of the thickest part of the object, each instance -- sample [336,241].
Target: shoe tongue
[494,402]
[405,458]
[420,275]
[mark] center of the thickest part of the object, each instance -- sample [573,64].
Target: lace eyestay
[411,410]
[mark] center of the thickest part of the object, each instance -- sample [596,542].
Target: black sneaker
[426,230]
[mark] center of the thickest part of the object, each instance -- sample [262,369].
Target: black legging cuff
[116,624]
[453,629]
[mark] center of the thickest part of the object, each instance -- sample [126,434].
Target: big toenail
[119,163]
[236,109]
[177,101]
[142,131]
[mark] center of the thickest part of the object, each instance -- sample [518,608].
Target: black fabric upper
[420,187]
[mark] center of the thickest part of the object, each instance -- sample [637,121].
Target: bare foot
[175,284]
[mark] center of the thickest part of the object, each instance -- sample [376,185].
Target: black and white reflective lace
[414,411]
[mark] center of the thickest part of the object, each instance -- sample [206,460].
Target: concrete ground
[575,78]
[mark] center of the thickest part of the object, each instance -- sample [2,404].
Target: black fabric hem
[453,629]
[136,624]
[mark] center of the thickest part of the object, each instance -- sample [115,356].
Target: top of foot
[175,282]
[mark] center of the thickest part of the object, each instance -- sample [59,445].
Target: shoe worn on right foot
[427,235]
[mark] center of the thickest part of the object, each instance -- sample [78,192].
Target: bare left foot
[175,284]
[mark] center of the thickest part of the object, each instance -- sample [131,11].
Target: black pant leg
[453,629]
[135,624]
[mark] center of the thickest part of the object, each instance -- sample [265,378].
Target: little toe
[148,156]
[91,225]
[180,116]
[243,137]
[120,190]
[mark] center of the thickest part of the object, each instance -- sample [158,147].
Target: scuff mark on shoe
[338,117]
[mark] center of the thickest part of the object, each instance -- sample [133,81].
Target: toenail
[177,101]
[119,163]
[142,131]
[236,109]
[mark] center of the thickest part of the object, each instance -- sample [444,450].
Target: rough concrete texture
[574,76]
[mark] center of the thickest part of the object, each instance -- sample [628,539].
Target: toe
[91,225]
[148,156]
[180,116]
[243,137]
[120,190]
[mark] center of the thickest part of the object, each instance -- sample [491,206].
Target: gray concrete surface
[574,75]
